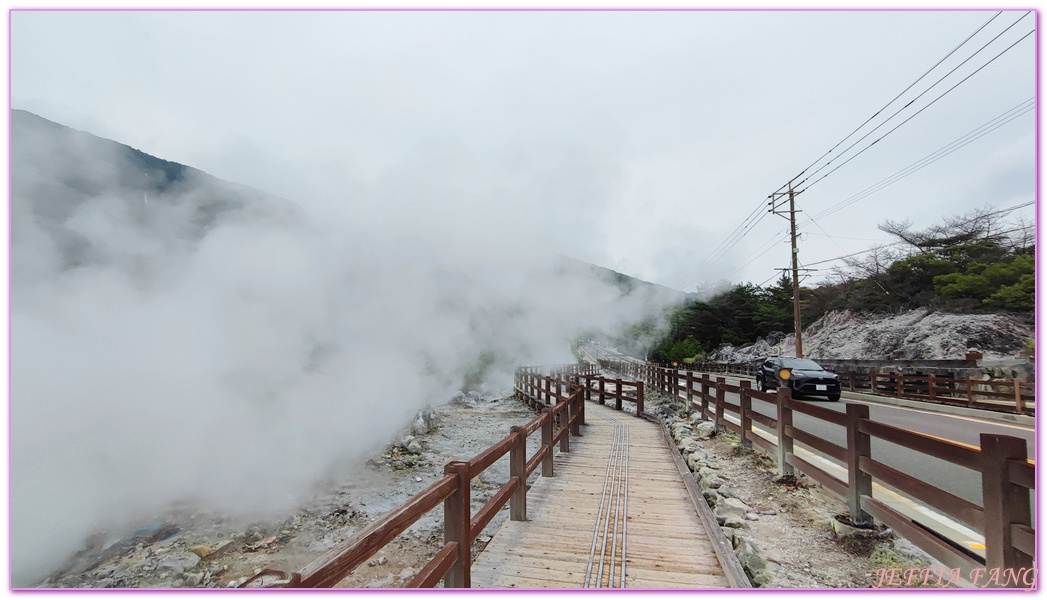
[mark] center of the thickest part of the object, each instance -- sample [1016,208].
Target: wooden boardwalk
[617,513]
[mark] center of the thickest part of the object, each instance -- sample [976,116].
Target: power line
[884,107]
[898,243]
[971,136]
[928,105]
[729,242]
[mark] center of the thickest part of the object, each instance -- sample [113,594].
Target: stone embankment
[912,336]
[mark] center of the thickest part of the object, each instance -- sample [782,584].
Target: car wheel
[834,397]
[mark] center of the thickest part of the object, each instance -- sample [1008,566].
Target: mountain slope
[63,179]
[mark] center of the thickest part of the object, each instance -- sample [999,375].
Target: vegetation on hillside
[970,263]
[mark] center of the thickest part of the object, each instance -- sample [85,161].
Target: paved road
[942,474]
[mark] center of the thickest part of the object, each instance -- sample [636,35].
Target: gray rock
[694,461]
[712,497]
[742,548]
[756,563]
[752,516]
[707,472]
[763,579]
[686,442]
[414,447]
[735,522]
[729,533]
[193,579]
[705,429]
[733,506]
[424,421]
[726,492]
[176,564]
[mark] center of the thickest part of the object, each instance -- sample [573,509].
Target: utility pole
[795,262]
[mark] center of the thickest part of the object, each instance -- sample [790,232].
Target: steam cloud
[164,350]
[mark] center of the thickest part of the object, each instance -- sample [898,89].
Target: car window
[802,363]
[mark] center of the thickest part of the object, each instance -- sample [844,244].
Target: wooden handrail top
[955,452]
[818,412]
[954,506]
[434,571]
[479,463]
[332,566]
[822,445]
[1022,472]
[535,424]
[537,459]
[492,506]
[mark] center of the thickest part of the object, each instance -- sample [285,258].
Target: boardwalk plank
[666,544]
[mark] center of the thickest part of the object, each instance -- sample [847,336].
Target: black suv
[806,377]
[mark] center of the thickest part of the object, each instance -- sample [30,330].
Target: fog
[170,345]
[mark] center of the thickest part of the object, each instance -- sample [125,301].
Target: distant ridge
[626,283]
[56,171]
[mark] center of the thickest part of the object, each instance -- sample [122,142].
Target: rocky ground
[781,529]
[913,335]
[191,547]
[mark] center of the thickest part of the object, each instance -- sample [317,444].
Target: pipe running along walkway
[617,514]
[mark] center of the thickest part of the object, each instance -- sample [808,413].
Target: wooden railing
[1001,394]
[605,389]
[1007,395]
[1007,475]
[559,419]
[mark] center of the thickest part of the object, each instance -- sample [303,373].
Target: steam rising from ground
[231,361]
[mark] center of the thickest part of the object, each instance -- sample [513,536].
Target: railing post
[457,525]
[859,483]
[690,390]
[581,410]
[547,442]
[618,394]
[565,420]
[899,385]
[970,391]
[747,411]
[639,398]
[932,387]
[1019,402]
[785,419]
[850,380]
[601,390]
[588,388]
[1005,503]
[705,396]
[518,469]
[575,398]
[720,395]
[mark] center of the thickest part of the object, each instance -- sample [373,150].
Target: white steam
[231,365]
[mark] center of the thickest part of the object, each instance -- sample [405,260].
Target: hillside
[627,284]
[67,183]
[921,334]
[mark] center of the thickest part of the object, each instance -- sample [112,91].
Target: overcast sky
[635,140]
